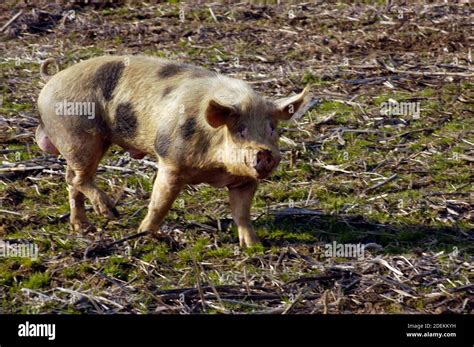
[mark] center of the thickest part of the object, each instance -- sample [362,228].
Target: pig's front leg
[165,190]
[240,203]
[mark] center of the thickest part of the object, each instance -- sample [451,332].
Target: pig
[202,126]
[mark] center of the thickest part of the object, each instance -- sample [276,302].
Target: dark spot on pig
[167,90]
[107,77]
[169,70]
[126,120]
[99,122]
[162,144]
[188,129]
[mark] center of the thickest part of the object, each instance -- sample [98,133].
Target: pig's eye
[271,129]
[242,131]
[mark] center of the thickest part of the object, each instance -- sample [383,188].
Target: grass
[37,280]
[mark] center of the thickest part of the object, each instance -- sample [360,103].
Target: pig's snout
[265,162]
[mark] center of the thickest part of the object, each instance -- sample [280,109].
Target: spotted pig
[201,126]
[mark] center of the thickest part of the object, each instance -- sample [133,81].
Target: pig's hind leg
[82,162]
[78,217]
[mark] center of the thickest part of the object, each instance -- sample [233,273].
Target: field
[400,183]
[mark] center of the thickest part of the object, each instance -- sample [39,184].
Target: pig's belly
[218,178]
[136,150]
[136,154]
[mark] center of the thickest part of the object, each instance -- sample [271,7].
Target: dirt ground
[397,183]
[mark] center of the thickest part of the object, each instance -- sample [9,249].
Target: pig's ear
[218,114]
[293,106]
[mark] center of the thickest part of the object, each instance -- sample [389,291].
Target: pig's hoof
[249,242]
[150,228]
[82,227]
[106,209]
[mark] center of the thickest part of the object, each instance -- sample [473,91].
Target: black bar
[242,329]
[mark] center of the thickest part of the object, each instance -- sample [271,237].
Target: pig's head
[248,125]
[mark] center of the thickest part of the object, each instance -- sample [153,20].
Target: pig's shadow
[293,226]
